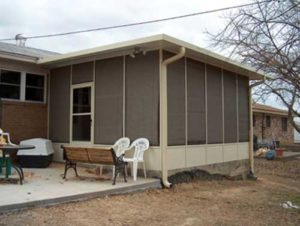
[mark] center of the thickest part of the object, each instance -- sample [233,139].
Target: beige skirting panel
[180,157]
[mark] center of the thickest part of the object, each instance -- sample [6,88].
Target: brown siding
[176,101]
[243,108]
[24,120]
[230,107]
[142,97]
[59,117]
[214,105]
[82,72]
[196,121]
[109,100]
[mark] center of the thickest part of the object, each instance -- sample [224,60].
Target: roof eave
[18,57]
[159,41]
[270,112]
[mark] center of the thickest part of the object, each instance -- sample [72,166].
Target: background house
[271,123]
[23,92]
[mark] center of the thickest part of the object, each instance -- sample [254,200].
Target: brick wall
[285,137]
[23,120]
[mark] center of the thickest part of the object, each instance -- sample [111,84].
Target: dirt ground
[221,202]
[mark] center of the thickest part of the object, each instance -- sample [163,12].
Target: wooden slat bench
[74,155]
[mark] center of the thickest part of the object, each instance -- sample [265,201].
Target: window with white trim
[34,87]
[10,84]
[22,86]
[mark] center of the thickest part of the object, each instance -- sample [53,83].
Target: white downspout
[164,114]
[251,157]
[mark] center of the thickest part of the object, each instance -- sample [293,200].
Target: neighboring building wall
[24,120]
[275,131]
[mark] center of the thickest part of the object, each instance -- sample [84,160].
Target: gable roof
[261,108]
[23,53]
[155,42]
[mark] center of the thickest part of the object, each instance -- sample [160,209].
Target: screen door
[82,113]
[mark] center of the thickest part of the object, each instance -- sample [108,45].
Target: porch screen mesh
[59,114]
[142,97]
[230,107]
[82,72]
[196,128]
[214,105]
[176,101]
[243,104]
[108,100]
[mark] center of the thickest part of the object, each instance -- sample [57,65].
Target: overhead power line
[138,23]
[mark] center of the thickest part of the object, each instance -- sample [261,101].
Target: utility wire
[138,23]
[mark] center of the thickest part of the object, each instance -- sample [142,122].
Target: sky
[38,17]
[35,17]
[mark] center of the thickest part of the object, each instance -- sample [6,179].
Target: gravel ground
[211,202]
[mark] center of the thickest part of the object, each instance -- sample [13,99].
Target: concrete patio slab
[44,187]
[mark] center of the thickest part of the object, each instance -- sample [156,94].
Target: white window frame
[12,85]
[23,86]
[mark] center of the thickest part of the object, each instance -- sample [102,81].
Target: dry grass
[219,202]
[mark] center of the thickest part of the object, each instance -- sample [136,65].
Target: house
[271,123]
[193,105]
[23,91]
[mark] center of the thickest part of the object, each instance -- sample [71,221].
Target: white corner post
[251,156]
[163,111]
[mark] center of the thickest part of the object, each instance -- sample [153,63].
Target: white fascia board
[101,49]
[252,71]
[160,41]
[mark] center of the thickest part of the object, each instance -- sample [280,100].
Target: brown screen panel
[176,101]
[108,100]
[59,114]
[230,107]
[196,126]
[243,108]
[214,105]
[82,72]
[142,97]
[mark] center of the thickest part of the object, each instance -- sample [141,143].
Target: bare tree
[266,35]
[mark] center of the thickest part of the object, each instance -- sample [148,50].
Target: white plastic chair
[120,146]
[140,145]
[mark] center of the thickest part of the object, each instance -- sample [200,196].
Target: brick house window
[268,121]
[254,120]
[22,86]
[284,124]
[34,87]
[10,83]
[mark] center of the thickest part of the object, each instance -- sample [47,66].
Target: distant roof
[24,52]
[261,108]
[160,41]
